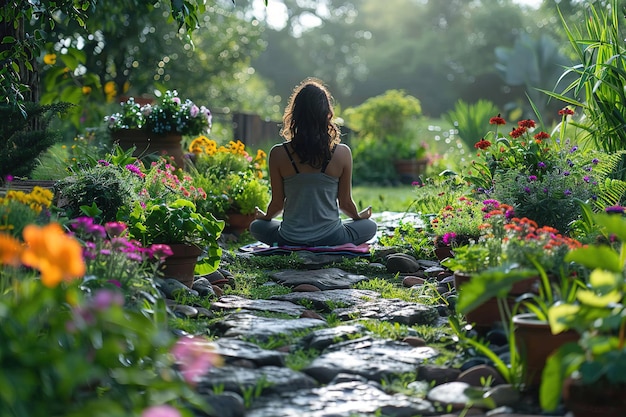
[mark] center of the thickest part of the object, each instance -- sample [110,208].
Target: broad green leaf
[596,257]
[558,315]
[592,299]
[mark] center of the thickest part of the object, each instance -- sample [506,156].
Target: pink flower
[195,357]
[115,229]
[161,411]
[104,299]
[194,110]
[176,100]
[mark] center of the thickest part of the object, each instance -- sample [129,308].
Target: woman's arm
[277,200]
[346,202]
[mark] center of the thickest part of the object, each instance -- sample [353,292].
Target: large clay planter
[238,223]
[181,264]
[147,143]
[487,314]
[601,399]
[409,170]
[535,342]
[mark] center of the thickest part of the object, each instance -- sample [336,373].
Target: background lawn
[396,199]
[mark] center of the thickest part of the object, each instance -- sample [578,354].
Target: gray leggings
[353,231]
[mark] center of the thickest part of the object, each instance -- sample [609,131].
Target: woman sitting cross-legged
[311,179]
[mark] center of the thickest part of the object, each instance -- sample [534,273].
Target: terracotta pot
[444,252]
[181,264]
[238,223]
[602,399]
[485,315]
[410,169]
[146,143]
[535,342]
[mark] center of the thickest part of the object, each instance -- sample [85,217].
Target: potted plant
[385,134]
[234,181]
[177,224]
[589,373]
[158,127]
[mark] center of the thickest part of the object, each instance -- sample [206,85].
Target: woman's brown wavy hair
[308,123]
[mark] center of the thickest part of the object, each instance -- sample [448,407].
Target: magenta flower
[195,357]
[160,250]
[104,299]
[448,238]
[532,178]
[115,229]
[541,164]
[614,209]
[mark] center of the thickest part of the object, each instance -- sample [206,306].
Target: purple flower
[104,299]
[532,178]
[586,178]
[134,169]
[574,149]
[448,238]
[545,190]
[541,164]
[570,163]
[9,178]
[88,228]
[595,161]
[565,173]
[194,110]
[567,192]
[614,209]
[527,190]
[103,163]
[589,169]
[115,229]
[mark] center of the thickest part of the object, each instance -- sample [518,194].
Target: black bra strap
[328,161]
[293,163]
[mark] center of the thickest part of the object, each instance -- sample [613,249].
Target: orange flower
[10,250]
[57,256]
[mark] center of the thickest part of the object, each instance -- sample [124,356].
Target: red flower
[542,135]
[566,112]
[497,120]
[516,133]
[528,123]
[482,144]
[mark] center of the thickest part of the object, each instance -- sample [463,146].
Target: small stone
[437,374]
[411,280]
[503,395]
[414,341]
[218,291]
[184,311]
[310,314]
[402,263]
[306,288]
[479,375]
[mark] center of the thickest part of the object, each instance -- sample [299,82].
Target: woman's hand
[259,214]
[365,213]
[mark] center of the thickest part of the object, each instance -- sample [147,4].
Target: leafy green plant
[176,222]
[597,314]
[470,120]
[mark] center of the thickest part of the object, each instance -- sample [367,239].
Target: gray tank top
[311,211]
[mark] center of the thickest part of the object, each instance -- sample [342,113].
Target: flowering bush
[18,209]
[96,356]
[456,224]
[506,240]
[170,115]
[541,177]
[233,179]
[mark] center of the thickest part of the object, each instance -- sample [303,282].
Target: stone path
[353,368]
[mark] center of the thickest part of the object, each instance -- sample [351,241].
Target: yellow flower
[50,59]
[110,90]
[57,256]
[86,90]
[10,250]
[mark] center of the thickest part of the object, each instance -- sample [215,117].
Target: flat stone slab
[321,339]
[345,399]
[233,302]
[324,279]
[391,310]
[370,358]
[261,329]
[328,301]
[235,350]
[272,379]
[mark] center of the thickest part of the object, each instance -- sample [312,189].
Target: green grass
[397,199]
